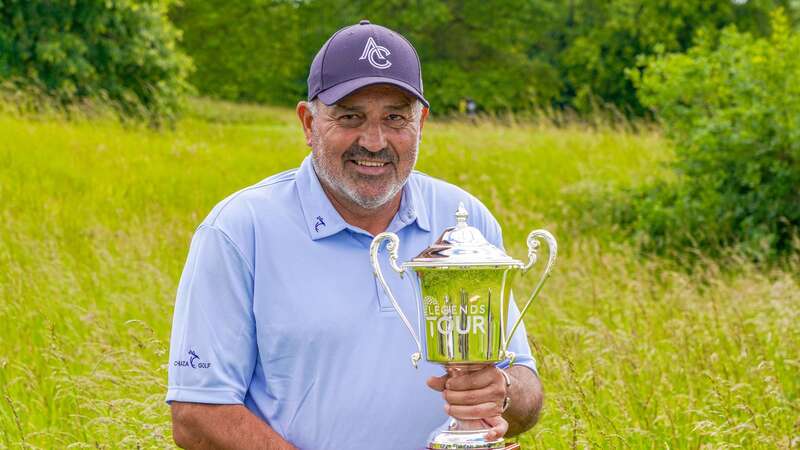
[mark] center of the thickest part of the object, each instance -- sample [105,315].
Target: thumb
[499,427]
[437,383]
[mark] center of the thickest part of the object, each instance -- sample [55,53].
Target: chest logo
[376,55]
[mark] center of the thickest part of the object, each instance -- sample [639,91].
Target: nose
[373,138]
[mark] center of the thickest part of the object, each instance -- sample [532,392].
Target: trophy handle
[392,247]
[533,249]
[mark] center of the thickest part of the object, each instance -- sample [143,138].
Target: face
[365,146]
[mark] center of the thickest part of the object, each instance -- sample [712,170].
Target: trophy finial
[461,215]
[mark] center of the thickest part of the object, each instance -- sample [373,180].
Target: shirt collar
[412,205]
[323,220]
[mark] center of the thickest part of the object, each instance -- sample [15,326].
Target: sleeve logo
[194,361]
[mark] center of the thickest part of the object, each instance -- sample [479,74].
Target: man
[282,337]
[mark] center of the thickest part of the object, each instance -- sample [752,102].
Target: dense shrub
[606,38]
[245,50]
[514,55]
[72,51]
[261,50]
[732,108]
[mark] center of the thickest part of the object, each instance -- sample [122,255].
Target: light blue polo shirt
[278,309]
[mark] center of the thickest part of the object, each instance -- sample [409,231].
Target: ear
[423,115]
[306,118]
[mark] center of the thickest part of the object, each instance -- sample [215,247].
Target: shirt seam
[200,389]
[292,172]
[230,242]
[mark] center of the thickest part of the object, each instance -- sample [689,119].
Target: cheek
[339,139]
[406,147]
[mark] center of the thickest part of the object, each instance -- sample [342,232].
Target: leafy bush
[603,39]
[245,50]
[514,55]
[261,50]
[72,51]
[732,109]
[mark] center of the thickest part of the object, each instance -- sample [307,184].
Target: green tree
[732,108]
[513,55]
[604,38]
[120,50]
[245,50]
[261,50]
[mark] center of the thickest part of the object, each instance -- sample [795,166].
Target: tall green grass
[96,218]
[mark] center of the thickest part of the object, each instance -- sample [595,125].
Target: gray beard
[351,194]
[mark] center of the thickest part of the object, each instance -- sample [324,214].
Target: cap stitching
[419,64]
[325,55]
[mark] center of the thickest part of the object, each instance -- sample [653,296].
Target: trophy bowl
[465,293]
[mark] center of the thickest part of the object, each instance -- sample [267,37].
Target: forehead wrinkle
[348,108]
[376,93]
[399,107]
[338,107]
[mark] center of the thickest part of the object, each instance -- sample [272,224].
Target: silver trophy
[465,283]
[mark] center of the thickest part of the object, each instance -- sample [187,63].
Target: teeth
[370,163]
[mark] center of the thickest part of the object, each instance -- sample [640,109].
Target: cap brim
[335,93]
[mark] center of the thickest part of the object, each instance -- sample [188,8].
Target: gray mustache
[359,152]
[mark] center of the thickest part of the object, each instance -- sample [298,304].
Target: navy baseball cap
[362,55]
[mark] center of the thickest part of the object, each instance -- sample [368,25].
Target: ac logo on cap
[373,52]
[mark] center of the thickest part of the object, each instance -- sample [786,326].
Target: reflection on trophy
[465,283]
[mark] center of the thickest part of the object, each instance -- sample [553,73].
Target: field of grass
[96,219]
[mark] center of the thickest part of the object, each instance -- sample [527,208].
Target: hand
[475,397]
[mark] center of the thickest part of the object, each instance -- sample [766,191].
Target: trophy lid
[462,245]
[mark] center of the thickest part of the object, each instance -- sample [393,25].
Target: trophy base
[464,439]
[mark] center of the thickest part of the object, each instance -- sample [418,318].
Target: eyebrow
[345,108]
[399,107]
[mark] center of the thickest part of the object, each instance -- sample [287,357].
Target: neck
[374,220]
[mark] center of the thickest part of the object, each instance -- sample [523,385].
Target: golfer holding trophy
[465,293]
[282,336]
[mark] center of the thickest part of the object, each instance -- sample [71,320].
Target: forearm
[203,426]
[526,395]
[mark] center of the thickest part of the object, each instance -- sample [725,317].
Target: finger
[495,392]
[476,380]
[437,383]
[499,427]
[469,412]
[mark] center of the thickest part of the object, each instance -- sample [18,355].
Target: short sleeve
[213,345]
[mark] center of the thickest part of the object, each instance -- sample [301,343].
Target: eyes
[352,120]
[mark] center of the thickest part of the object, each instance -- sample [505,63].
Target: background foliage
[635,350]
[117,51]
[732,106]
[513,55]
[96,220]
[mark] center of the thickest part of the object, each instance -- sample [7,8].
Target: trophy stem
[463,434]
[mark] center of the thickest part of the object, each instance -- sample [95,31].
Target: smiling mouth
[370,163]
